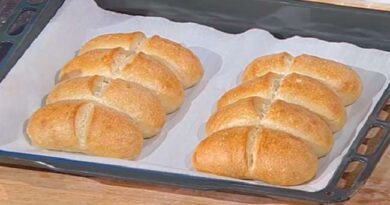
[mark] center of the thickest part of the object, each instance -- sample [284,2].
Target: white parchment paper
[223,56]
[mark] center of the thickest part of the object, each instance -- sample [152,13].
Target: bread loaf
[275,124]
[256,153]
[85,127]
[113,94]
[130,98]
[179,59]
[340,78]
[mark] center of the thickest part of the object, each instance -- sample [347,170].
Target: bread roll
[262,87]
[138,68]
[314,96]
[296,89]
[151,74]
[340,78]
[245,112]
[85,127]
[179,59]
[301,123]
[182,61]
[278,115]
[256,153]
[137,102]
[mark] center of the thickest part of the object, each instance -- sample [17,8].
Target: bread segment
[314,96]
[96,62]
[342,79]
[301,123]
[245,112]
[153,75]
[276,63]
[260,87]
[224,153]
[282,159]
[179,59]
[53,127]
[127,41]
[113,134]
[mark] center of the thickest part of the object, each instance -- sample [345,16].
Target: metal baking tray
[283,18]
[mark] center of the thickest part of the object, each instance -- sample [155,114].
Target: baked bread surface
[113,94]
[275,125]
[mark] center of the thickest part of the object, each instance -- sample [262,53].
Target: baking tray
[226,16]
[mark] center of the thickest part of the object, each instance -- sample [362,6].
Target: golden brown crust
[185,65]
[292,119]
[279,158]
[307,103]
[314,96]
[53,127]
[276,63]
[141,69]
[341,78]
[130,98]
[113,134]
[301,123]
[110,133]
[179,59]
[245,112]
[293,88]
[126,41]
[156,77]
[260,87]
[95,62]
[223,153]
[112,70]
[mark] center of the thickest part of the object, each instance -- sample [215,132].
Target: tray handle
[365,152]
[15,40]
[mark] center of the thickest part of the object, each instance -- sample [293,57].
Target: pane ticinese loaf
[116,92]
[274,125]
